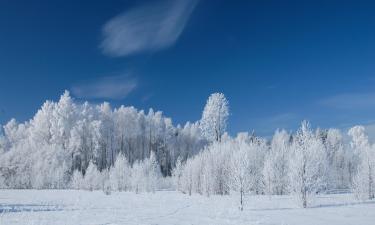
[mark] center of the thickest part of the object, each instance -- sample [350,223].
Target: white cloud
[353,101]
[149,27]
[114,87]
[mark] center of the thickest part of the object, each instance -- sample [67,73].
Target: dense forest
[89,146]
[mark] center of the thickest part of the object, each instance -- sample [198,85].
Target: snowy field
[165,207]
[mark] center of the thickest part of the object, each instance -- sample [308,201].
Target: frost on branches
[276,162]
[308,164]
[214,117]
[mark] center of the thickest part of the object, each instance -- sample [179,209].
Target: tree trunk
[370,194]
[304,199]
[241,193]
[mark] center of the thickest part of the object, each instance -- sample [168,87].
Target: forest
[72,145]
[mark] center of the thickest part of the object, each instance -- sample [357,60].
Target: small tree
[77,180]
[187,180]
[152,172]
[137,177]
[177,174]
[106,184]
[119,175]
[239,172]
[92,179]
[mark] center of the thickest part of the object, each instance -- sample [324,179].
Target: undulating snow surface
[168,207]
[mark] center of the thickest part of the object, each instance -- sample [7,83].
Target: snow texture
[169,207]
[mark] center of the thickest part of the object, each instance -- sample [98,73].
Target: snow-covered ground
[167,207]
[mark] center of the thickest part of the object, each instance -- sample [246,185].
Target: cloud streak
[115,87]
[350,101]
[146,28]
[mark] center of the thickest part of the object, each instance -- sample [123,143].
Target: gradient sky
[278,62]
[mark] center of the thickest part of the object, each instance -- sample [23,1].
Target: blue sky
[278,62]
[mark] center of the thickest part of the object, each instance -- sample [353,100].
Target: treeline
[66,136]
[303,164]
[92,147]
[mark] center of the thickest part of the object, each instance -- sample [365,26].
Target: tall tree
[338,160]
[214,118]
[307,165]
[275,171]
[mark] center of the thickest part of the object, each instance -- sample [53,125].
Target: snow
[169,207]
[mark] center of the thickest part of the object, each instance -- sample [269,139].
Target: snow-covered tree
[338,160]
[41,124]
[257,150]
[145,175]
[137,177]
[93,179]
[214,118]
[275,170]
[105,182]
[364,181]
[63,119]
[77,181]
[307,165]
[15,132]
[177,174]
[240,168]
[187,179]
[152,173]
[120,174]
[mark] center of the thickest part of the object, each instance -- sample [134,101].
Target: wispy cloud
[114,87]
[148,27]
[353,101]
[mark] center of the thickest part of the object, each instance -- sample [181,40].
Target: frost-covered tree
[257,150]
[275,170]
[41,124]
[364,181]
[106,183]
[15,132]
[338,160]
[120,174]
[240,167]
[177,174]
[77,181]
[137,177]
[214,118]
[307,165]
[187,179]
[152,173]
[63,120]
[93,179]
[145,175]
